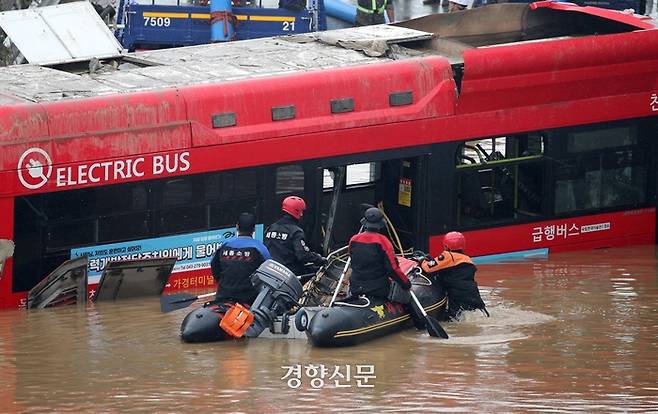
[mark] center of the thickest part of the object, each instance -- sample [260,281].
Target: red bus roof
[397,81]
[621,16]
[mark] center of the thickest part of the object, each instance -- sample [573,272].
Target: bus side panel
[577,69]
[631,240]
[126,129]
[22,121]
[576,233]
[200,279]
[121,126]
[369,95]
[17,124]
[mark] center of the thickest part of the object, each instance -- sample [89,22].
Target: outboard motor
[279,292]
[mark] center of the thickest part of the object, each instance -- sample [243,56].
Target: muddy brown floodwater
[574,332]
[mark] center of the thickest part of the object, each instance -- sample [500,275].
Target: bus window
[601,167]
[327,179]
[88,216]
[290,179]
[181,207]
[231,193]
[177,192]
[69,233]
[51,224]
[500,179]
[366,173]
[624,178]
[599,139]
[124,214]
[356,174]
[70,218]
[246,184]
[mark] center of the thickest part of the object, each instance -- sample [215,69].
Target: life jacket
[445,260]
[456,273]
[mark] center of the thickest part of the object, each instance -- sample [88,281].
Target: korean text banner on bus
[192,250]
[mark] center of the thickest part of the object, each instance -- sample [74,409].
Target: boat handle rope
[354,305]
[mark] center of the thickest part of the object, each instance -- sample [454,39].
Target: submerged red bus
[530,128]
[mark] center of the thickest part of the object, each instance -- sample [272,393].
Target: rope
[227,18]
[354,305]
[392,229]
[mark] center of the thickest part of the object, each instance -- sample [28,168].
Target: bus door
[396,186]
[344,192]
[294,179]
[402,196]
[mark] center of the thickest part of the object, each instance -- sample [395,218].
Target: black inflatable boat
[345,323]
[360,320]
[279,292]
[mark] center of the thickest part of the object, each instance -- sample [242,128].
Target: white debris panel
[63,33]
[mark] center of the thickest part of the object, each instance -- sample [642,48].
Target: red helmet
[454,241]
[294,206]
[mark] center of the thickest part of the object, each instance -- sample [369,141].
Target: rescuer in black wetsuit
[373,260]
[455,271]
[285,239]
[234,262]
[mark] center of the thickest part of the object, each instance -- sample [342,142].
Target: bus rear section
[580,187]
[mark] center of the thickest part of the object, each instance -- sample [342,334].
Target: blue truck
[155,24]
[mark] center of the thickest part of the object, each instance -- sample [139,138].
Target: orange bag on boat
[237,320]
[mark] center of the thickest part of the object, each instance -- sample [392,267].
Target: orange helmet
[294,206]
[454,241]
